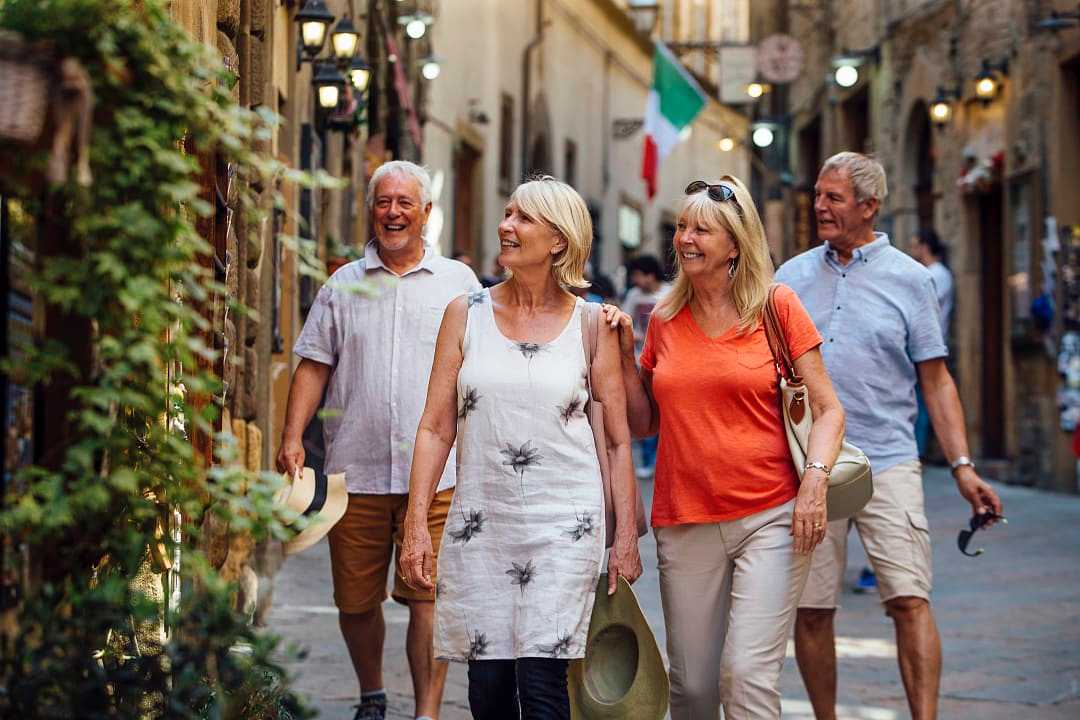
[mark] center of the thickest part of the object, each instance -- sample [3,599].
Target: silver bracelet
[818,466]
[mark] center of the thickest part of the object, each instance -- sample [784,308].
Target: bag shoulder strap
[590,325]
[774,335]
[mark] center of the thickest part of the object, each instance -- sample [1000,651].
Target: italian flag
[674,101]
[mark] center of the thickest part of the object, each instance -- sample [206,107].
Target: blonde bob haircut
[753,265]
[560,207]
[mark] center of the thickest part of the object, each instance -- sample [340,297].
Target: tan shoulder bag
[850,482]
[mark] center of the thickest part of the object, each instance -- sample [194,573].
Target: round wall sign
[780,58]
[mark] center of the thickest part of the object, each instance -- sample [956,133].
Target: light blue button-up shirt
[878,316]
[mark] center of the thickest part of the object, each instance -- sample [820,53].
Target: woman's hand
[417,556]
[618,320]
[809,519]
[623,559]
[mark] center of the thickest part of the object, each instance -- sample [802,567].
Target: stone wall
[924,45]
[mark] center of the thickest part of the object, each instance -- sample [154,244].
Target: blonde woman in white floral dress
[524,540]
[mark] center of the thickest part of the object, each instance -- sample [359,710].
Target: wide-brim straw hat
[318,498]
[622,675]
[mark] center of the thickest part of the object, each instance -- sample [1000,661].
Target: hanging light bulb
[763,136]
[430,68]
[756,89]
[726,144]
[846,75]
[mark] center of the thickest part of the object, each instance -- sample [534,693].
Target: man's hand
[978,492]
[290,457]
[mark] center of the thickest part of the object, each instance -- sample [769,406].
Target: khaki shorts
[365,540]
[895,534]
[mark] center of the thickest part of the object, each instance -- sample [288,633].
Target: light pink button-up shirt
[378,331]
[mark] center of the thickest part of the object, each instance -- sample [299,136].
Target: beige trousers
[729,592]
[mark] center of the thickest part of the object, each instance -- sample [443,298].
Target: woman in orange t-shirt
[735,522]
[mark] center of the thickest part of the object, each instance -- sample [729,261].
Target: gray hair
[865,172]
[419,173]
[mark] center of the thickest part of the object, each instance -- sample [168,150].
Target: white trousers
[729,592]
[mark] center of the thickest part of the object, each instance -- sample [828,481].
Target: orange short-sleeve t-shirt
[723,453]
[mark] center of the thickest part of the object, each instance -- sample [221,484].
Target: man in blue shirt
[878,315]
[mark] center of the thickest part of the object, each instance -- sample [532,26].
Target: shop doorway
[921,141]
[466,201]
[992,316]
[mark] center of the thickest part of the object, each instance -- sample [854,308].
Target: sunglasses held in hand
[977,522]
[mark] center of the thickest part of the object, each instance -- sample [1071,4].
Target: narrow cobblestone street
[1008,620]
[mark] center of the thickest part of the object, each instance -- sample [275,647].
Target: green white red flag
[674,101]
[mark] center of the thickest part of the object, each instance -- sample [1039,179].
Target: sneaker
[372,708]
[867,581]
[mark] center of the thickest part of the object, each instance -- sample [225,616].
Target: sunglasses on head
[718,192]
[977,522]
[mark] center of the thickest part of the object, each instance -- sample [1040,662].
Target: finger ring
[817,526]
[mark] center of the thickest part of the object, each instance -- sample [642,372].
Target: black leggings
[538,685]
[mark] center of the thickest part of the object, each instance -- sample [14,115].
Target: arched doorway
[539,156]
[922,144]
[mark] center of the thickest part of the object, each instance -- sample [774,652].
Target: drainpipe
[526,90]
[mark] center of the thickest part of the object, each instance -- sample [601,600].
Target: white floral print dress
[524,540]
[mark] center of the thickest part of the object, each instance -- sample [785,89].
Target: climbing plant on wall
[102,514]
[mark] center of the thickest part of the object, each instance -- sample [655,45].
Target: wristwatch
[961,462]
[818,466]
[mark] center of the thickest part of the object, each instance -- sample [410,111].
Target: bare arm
[826,435]
[947,415]
[641,411]
[608,390]
[305,393]
[434,438]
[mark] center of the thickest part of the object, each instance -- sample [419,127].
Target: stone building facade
[558,87]
[997,182]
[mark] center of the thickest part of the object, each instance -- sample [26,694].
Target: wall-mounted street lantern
[988,81]
[344,40]
[846,65]
[1056,21]
[328,83]
[359,75]
[941,109]
[314,19]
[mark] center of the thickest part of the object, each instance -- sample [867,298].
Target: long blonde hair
[753,265]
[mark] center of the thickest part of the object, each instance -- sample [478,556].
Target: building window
[506,145]
[570,163]
[629,226]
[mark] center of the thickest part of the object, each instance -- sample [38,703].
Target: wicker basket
[25,79]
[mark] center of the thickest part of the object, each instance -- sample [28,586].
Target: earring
[731,269]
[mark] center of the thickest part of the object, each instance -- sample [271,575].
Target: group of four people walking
[501,571]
